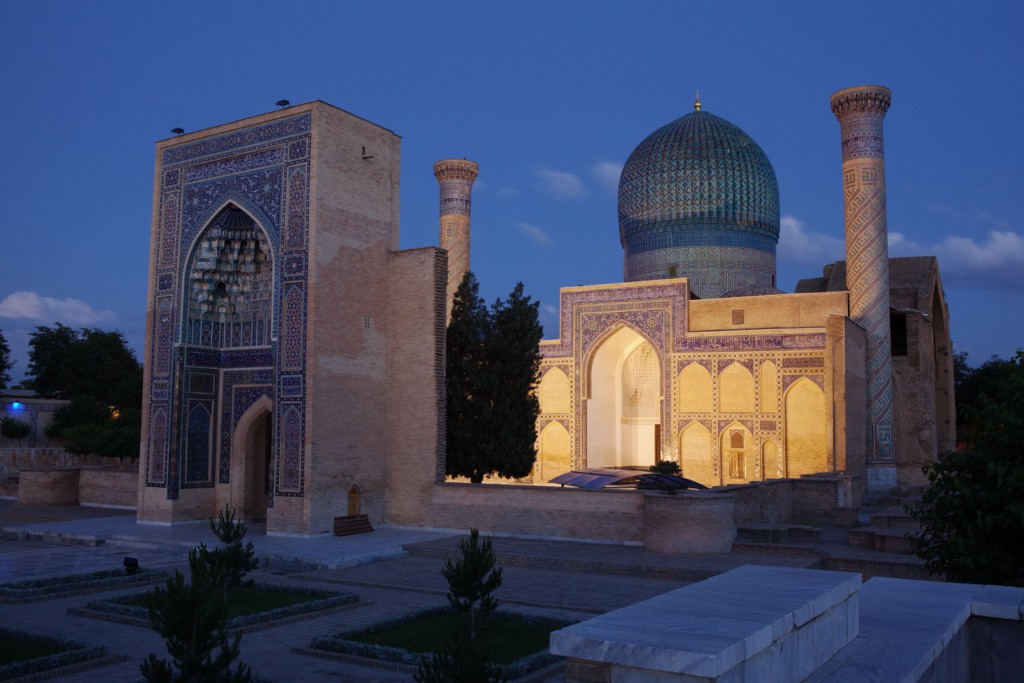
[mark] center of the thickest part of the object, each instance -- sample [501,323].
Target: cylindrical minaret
[455,176]
[860,111]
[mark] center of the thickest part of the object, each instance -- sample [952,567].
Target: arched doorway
[624,405]
[355,501]
[252,459]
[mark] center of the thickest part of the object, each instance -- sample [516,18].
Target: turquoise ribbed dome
[699,181]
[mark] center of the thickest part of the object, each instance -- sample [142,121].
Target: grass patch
[516,643]
[23,653]
[246,606]
[505,639]
[243,602]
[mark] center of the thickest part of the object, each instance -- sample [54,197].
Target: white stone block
[999,602]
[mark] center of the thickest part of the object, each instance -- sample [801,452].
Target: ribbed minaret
[860,111]
[455,176]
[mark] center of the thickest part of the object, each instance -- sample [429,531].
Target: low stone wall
[108,487]
[99,486]
[13,460]
[50,486]
[811,500]
[691,522]
[538,510]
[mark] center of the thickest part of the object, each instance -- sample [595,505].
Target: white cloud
[561,184]
[47,310]
[608,173]
[538,235]
[997,261]
[506,192]
[799,245]
[549,309]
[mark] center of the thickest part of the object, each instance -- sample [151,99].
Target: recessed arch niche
[624,406]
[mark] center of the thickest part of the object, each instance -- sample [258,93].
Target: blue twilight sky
[549,97]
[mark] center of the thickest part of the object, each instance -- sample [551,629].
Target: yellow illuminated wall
[805,429]
[695,394]
[736,390]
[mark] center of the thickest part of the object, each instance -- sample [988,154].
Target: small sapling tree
[232,560]
[15,429]
[471,580]
[191,618]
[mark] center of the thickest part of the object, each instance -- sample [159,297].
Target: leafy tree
[493,364]
[972,513]
[65,363]
[99,373]
[665,467]
[15,429]
[471,580]
[5,362]
[88,425]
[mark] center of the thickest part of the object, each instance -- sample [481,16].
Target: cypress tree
[464,380]
[493,363]
[514,368]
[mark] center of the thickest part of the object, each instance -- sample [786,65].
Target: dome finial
[696,102]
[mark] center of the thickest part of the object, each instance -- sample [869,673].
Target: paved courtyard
[376,567]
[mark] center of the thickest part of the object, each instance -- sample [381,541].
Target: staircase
[879,546]
[886,525]
[352,524]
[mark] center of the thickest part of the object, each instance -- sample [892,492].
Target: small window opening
[898,333]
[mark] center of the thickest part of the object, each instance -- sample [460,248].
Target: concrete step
[883,540]
[894,518]
[841,557]
[777,533]
[907,491]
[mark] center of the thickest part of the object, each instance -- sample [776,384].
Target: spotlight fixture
[177,131]
[131,565]
[283,103]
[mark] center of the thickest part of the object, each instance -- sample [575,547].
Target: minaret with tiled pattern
[455,176]
[860,111]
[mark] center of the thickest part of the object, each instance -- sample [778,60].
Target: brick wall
[689,523]
[108,487]
[48,487]
[541,511]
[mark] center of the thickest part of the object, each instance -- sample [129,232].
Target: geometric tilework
[232,206]
[698,181]
[860,112]
[658,313]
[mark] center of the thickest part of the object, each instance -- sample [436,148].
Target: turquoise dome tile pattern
[699,181]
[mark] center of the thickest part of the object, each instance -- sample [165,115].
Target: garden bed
[517,643]
[24,654]
[249,609]
[51,588]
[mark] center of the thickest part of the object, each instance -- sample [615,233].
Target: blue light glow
[17,406]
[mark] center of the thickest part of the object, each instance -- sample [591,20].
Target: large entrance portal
[252,462]
[624,408]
